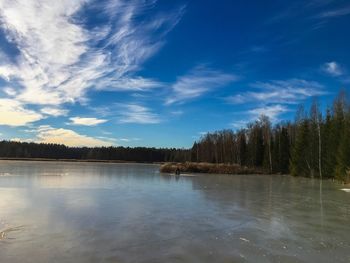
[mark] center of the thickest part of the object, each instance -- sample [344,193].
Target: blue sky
[161,73]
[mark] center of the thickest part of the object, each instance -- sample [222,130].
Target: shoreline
[209,168]
[74,160]
[226,169]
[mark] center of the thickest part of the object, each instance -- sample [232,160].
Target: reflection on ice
[86,212]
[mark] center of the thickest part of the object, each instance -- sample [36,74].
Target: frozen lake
[95,212]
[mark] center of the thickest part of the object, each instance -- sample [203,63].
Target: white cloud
[133,113]
[54,111]
[86,121]
[271,111]
[124,140]
[59,61]
[279,91]
[48,134]
[198,82]
[49,44]
[332,68]
[128,139]
[12,113]
[128,84]
[70,138]
[30,130]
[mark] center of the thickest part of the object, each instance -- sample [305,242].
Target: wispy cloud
[271,111]
[128,84]
[273,98]
[128,139]
[279,91]
[133,113]
[60,58]
[310,15]
[199,81]
[332,68]
[48,134]
[343,11]
[13,113]
[86,121]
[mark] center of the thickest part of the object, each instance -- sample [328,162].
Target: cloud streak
[291,91]
[197,83]
[271,111]
[343,11]
[54,111]
[86,121]
[133,113]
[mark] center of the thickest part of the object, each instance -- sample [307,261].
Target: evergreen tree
[299,162]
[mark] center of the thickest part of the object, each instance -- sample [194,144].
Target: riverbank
[211,168]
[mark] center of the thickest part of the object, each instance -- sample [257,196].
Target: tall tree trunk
[270,157]
[319,149]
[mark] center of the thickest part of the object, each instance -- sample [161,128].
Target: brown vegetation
[191,167]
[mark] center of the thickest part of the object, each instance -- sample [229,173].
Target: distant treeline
[315,144]
[11,149]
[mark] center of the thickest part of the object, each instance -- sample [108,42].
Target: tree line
[316,144]
[11,149]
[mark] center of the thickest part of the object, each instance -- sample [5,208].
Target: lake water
[94,212]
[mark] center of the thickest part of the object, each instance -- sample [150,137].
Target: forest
[315,144]
[11,149]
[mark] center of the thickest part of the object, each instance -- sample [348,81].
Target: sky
[163,73]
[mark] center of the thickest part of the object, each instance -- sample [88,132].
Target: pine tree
[327,146]
[300,162]
[342,170]
[337,129]
[315,139]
